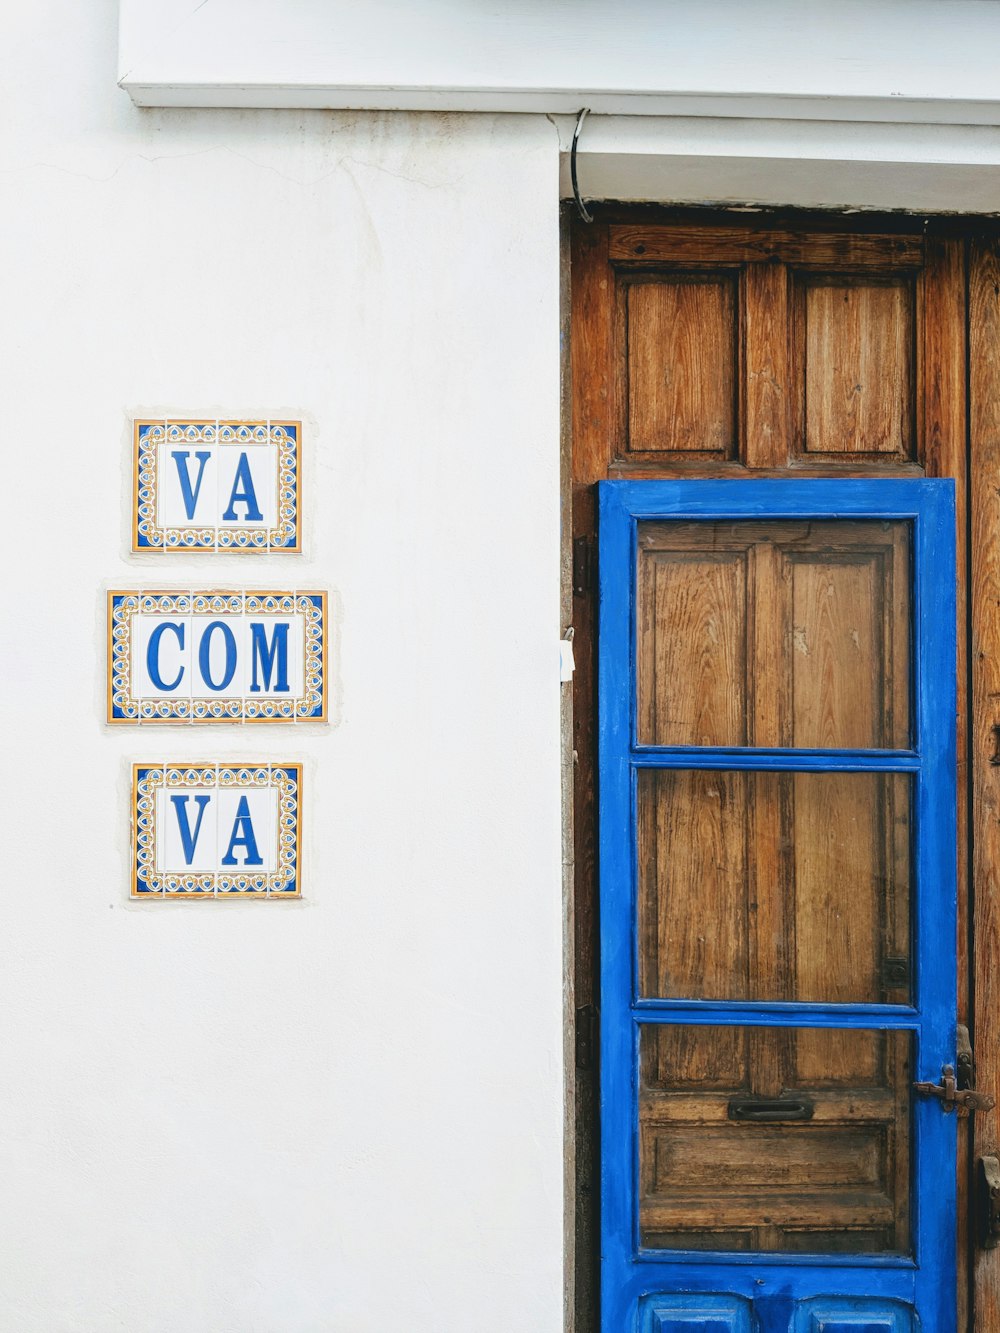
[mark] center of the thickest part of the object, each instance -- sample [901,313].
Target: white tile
[249,831]
[187,491]
[218,656]
[275,642]
[247,484]
[186,829]
[161,656]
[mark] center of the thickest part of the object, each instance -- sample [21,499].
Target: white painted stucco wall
[344,1114]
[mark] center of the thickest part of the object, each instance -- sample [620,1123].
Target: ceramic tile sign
[218,830]
[216,656]
[216,486]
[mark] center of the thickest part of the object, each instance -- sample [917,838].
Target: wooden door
[704,346]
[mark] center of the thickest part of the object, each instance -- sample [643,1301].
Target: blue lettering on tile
[243,836]
[189,493]
[153,654]
[247,495]
[264,654]
[205,656]
[189,840]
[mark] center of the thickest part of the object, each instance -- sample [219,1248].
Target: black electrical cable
[581,207]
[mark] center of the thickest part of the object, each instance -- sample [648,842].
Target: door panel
[771,352]
[774,885]
[788,634]
[855,383]
[674,327]
[853,1317]
[772,910]
[703,1314]
[830,1171]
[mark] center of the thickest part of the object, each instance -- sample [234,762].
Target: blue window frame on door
[655,1289]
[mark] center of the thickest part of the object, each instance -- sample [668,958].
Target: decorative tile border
[259,663]
[191,477]
[216,830]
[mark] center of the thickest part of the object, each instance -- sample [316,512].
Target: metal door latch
[966,1062]
[953,1098]
[988,1191]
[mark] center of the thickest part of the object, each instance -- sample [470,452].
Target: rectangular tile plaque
[216,830]
[216,486]
[216,655]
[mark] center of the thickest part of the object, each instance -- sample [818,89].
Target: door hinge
[988,1201]
[583,566]
[951,1097]
[586,1036]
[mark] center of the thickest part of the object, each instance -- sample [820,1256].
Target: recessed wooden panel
[850,884]
[681,359]
[827,1057]
[857,373]
[774,886]
[850,643]
[783,1186]
[704,1057]
[693,647]
[693,831]
[780,634]
[803,1157]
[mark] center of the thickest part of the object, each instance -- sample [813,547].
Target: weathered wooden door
[777,846]
[778,924]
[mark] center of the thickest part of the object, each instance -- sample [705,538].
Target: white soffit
[807,164]
[867,60]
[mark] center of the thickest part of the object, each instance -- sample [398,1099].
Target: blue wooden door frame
[779,1283]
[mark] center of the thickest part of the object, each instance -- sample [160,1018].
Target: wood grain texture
[840,685]
[850,626]
[766,382]
[857,366]
[692,658]
[774,886]
[693,830]
[773,635]
[649,243]
[789,1187]
[984,460]
[681,365]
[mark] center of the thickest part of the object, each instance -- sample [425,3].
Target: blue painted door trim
[779,1283]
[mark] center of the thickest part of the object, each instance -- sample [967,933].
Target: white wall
[824,59]
[344,1114]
